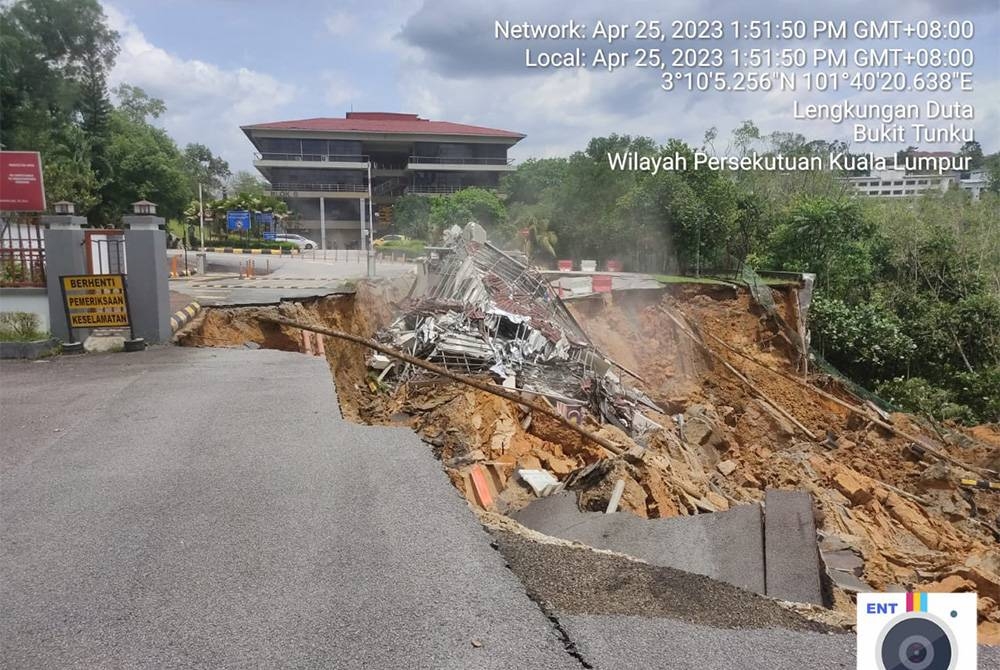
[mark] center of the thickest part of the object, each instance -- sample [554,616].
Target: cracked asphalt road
[209,508]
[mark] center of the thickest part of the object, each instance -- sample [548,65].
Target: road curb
[182,317]
[266,252]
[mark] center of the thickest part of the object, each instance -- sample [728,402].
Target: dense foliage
[424,217]
[907,296]
[55,56]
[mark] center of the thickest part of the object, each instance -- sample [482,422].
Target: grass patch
[774,281]
[678,279]
[722,281]
[409,248]
[20,327]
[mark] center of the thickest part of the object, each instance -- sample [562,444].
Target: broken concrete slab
[847,581]
[541,481]
[844,559]
[791,554]
[727,546]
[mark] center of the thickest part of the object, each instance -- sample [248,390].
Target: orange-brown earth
[905,515]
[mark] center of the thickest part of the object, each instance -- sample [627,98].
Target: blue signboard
[238,221]
[269,237]
[266,218]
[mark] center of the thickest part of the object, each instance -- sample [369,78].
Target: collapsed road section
[699,390]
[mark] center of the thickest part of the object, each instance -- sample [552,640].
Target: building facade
[321,167]
[898,184]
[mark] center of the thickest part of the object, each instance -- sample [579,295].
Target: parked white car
[298,240]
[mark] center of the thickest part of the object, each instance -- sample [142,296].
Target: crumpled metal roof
[488,311]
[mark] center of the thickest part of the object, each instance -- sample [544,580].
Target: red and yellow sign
[95,301]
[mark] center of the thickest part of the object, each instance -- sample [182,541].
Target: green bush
[980,392]
[20,327]
[410,248]
[921,397]
[865,340]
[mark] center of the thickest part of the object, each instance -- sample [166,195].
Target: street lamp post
[371,224]
[201,217]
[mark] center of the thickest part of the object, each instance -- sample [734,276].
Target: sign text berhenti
[95,301]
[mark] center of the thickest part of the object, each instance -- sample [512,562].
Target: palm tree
[535,233]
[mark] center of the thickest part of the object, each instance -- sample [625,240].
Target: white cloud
[205,103]
[342,24]
[454,70]
[340,90]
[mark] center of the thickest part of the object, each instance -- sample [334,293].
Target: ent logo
[881,608]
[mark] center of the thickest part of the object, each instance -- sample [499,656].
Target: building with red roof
[325,167]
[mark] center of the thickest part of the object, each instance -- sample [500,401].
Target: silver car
[297,240]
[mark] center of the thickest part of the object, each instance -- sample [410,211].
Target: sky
[220,64]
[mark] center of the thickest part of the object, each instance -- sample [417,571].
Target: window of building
[279,145]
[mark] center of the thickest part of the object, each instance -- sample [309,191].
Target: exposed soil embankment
[724,439]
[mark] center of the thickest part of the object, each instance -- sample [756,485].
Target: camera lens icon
[917,641]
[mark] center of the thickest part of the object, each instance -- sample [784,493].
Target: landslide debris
[901,510]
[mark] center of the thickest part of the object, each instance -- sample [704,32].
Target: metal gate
[105,251]
[22,253]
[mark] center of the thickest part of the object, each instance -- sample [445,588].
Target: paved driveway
[209,508]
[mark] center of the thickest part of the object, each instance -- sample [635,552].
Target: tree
[533,230]
[68,171]
[974,152]
[991,165]
[215,210]
[745,136]
[582,209]
[470,204]
[866,340]
[535,180]
[830,237]
[205,168]
[95,111]
[137,105]
[689,215]
[245,182]
[48,48]
[411,216]
[903,154]
[54,59]
[148,165]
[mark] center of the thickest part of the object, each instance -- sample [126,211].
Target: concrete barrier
[182,317]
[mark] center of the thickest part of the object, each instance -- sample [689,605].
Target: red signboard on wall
[21,186]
